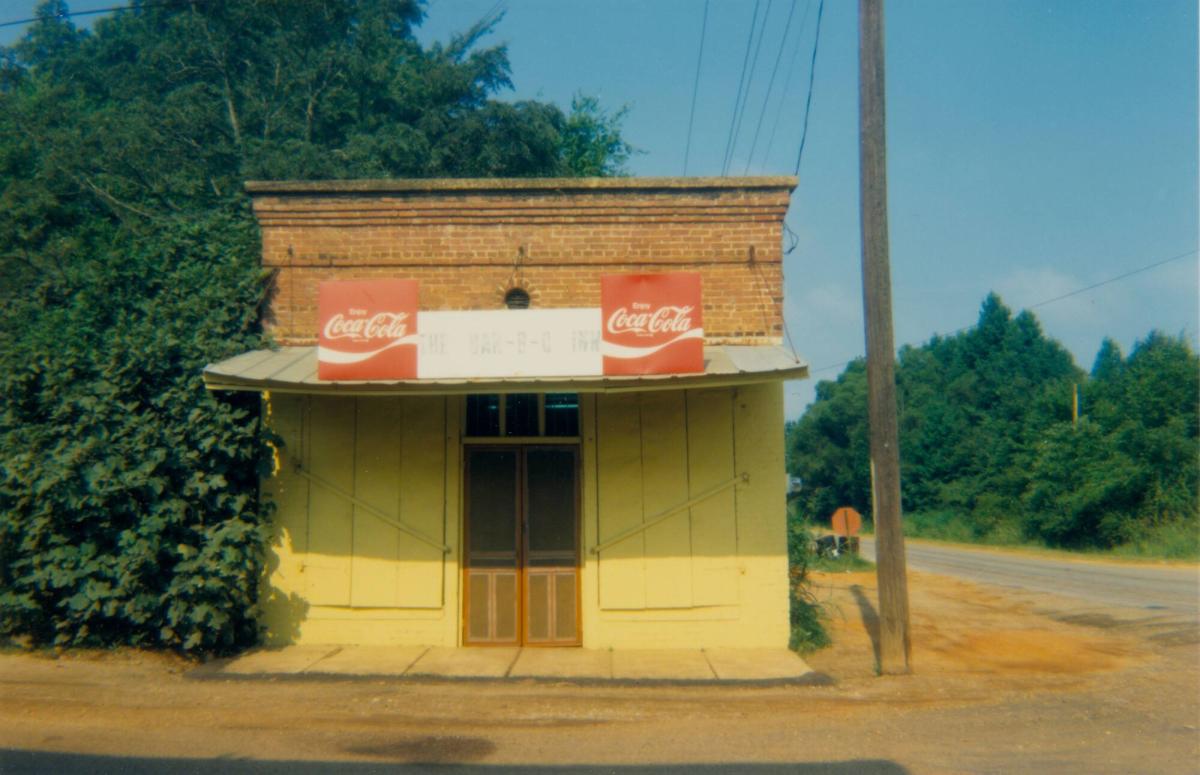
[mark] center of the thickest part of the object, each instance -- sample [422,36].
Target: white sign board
[509,343]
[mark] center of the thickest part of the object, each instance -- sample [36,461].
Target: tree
[592,141]
[829,448]
[129,259]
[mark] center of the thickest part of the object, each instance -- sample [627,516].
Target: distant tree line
[990,451]
[129,259]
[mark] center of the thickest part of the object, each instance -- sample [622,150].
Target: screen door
[522,537]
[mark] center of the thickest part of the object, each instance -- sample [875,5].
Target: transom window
[523,415]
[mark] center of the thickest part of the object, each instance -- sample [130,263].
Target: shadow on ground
[14,761]
[870,617]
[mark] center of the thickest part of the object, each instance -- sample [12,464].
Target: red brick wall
[467,242]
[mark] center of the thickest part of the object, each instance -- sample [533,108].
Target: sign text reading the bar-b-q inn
[646,324]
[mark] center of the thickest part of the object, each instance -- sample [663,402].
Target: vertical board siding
[391,453]
[758,446]
[422,501]
[668,544]
[655,451]
[589,517]
[453,412]
[714,525]
[762,503]
[285,489]
[619,463]
[377,483]
[330,516]
[643,453]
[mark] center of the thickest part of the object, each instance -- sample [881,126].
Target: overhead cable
[737,100]
[787,82]
[92,12]
[762,32]
[1131,273]
[687,149]
[770,85]
[1044,302]
[812,71]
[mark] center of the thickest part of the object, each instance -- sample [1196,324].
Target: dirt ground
[1003,681]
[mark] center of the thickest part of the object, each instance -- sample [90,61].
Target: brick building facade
[596,510]
[469,241]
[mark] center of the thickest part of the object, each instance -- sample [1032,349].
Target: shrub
[807,615]
[128,512]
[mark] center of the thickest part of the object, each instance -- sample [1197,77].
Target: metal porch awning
[294,370]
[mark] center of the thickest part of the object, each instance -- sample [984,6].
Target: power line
[1139,270]
[1045,302]
[762,32]
[787,82]
[741,80]
[92,12]
[771,84]
[812,71]
[695,89]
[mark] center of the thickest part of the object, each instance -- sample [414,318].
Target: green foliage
[988,449]
[129,259]
[944,525]
[829,447]
[1174,540]
[806,615]
[126,490]
[592,142]
[1129,466]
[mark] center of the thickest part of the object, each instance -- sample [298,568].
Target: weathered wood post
[894,644]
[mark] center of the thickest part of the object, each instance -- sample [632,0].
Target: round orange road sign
[846,522]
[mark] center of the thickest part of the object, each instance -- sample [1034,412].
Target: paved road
[1141,586]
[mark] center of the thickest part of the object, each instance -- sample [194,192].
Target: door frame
[520,446]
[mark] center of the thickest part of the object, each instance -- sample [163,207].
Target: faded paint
[712,575]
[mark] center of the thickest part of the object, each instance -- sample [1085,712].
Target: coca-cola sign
[652,324]
[368,330]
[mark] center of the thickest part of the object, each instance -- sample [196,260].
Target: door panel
[551,545]
[492,500]
[550,506]
[551,606]
[522,546]
[493,547]
[492,613]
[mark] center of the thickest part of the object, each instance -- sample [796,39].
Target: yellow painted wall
[338,573]
[714,574]
[711,575]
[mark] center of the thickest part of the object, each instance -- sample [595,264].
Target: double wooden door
[522,546]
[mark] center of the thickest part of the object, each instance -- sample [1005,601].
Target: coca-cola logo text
[381,325]
[643,321]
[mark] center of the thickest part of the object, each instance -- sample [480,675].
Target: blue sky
[1034,148]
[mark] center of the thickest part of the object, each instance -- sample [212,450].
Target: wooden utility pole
[894,645]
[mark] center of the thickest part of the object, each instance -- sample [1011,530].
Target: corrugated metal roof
[294,370]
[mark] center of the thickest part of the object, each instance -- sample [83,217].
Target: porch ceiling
[294,370]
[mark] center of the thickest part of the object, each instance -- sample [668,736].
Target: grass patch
[1173,540]
[940,526]
[1177,540]
[843,563]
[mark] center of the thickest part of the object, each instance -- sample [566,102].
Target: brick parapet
[467,242]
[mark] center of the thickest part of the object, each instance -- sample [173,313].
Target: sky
[1035,147]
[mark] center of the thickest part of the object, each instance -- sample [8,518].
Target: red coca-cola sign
[368,330]
[651,324]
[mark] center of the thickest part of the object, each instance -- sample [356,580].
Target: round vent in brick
[517,298]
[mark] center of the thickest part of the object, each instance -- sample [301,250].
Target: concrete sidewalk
[571,664]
